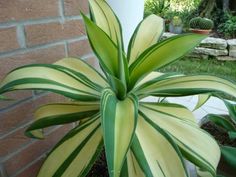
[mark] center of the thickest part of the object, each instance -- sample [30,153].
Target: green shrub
[228,27]
[157,7]
[206,24]
[201,23]
[195,22]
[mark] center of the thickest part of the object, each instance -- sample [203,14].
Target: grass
[188,66]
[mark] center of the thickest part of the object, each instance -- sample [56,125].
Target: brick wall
[33,31]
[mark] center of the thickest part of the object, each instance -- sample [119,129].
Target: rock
[232,47]
[226,58]
[232,53]
[214,43]
[232,44]
[198,56]
[211,52]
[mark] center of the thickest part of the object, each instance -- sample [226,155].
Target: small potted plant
[201,25]
[176,25]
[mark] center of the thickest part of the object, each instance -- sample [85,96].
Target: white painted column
[130,13]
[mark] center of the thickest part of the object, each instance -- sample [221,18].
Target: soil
[223,139]
[220,136]
[99,168]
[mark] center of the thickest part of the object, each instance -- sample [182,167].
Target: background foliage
[223,15]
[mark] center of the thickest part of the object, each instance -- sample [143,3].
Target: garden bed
[223,139]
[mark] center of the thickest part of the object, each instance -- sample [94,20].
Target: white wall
[130,13]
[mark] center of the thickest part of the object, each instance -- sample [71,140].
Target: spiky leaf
[83,142]
[119,120]
[193,142]
[60,113]
[146,34]
[161,54]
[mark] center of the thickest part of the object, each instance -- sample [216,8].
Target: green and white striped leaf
[232,135]
[51,78]
[104,48]
[105,18]
[203,173]
[148,32]
[232,110]
[202,99]
[151,76]
[119,119]
[193,142]
[229,155]
[81,68]
[60,113]
[75,154]
[188,85]
[155,151]
[178,111]
[221,122]
[131,168]
[161,54]
[123,67]
[118,87]
[154,77]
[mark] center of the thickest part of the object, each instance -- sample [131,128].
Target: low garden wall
[211,47]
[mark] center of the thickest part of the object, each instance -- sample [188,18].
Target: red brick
[8,39]
[32,170]
[15,10]
[33,151]
[15,97]
[79,48]
[93,61]
[73,7]
[24,112]
[12,142]
[52,32]
[47,55]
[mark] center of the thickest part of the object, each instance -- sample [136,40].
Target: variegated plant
[140,138]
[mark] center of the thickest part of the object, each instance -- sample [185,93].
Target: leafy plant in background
[228,26]
[184,9]
[140,138]
[157,7]
[227,124]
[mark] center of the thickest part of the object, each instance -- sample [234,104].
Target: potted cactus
[201,25]
[176,25]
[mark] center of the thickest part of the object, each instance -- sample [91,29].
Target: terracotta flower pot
[200,31]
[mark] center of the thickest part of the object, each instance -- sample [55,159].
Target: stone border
[218,48]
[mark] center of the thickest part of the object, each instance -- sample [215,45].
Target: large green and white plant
[140,138]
